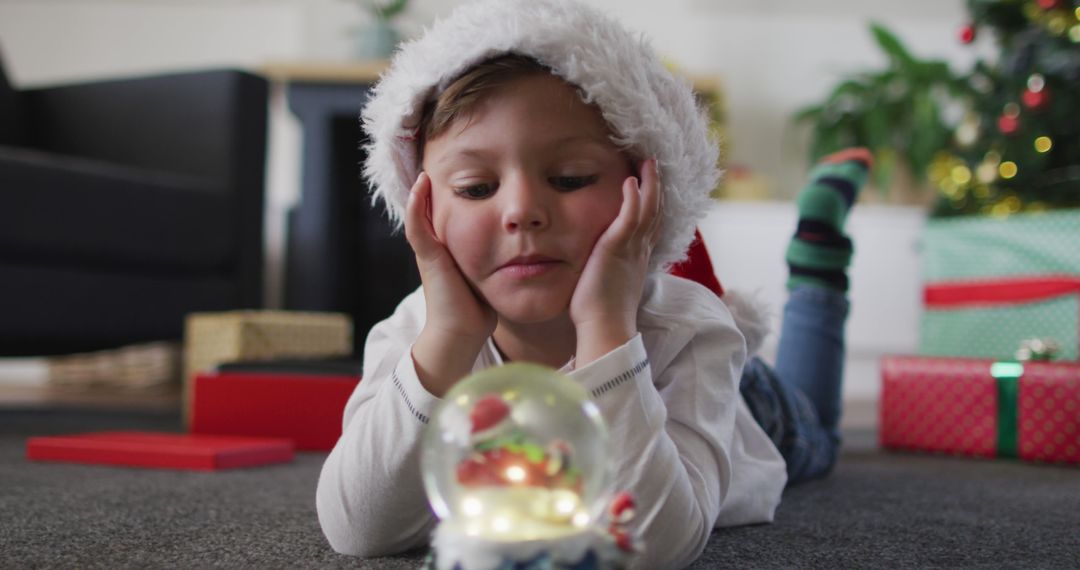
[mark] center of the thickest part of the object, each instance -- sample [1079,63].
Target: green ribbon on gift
[1008,376]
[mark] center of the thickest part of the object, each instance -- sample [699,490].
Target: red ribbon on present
[1001,291]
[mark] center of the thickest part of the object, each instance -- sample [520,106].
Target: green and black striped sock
[820,252]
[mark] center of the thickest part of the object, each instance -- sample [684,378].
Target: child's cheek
[469,244]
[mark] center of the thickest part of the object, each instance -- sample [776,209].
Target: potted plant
[897,112]
[1001,246]
[378,38]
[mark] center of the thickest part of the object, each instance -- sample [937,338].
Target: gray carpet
[876,510]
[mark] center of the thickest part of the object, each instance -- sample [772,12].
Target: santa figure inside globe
[504,456]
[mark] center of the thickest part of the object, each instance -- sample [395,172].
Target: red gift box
[306,408]
[982,408]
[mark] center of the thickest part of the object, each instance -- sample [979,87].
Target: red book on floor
[305,408]
[160,450]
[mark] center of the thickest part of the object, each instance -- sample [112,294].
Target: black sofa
[126,204]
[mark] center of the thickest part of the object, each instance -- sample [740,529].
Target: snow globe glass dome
[517,453]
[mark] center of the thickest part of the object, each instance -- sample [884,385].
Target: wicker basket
[211,339]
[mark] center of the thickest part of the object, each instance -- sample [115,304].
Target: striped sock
[819,253]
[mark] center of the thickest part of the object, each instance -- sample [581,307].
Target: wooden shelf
[361,72]
[366,72]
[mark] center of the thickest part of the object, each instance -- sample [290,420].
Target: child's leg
[811,352]
[799,403]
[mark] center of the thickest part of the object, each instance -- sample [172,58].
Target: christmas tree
[1018,146]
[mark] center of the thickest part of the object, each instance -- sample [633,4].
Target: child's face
[521,191]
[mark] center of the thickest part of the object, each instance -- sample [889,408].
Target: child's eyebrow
[482,154]
[465,153]
[582,139]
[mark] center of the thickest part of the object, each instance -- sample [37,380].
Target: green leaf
[877,128]
[884,164]
[809,113]
[387,10]
[892,47]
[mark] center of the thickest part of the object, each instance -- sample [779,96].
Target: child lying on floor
[548,169]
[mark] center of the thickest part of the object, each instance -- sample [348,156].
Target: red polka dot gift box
[981,407]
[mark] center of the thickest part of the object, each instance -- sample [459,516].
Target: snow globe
[516,467]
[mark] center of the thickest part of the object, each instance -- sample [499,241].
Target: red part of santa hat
[698,267]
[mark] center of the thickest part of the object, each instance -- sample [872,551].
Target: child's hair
[464,94]
[442,76]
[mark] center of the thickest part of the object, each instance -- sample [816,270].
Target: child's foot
[819,253]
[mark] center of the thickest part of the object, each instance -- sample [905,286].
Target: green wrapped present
[992,283]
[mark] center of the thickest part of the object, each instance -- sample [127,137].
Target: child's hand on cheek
[605,302]
[458,322]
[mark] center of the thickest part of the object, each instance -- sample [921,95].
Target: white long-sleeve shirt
[682,438]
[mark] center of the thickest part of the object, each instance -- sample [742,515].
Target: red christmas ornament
[967,33]
[622,507]
[1048,4]
[1008,125]
[1035,100]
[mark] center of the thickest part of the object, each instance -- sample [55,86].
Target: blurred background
[773,56]
[759,63]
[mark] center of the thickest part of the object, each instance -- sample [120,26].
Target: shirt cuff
[411,394]
[614,369]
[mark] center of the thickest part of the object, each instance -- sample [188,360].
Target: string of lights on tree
[1018,146]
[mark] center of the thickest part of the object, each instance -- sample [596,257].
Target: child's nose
[525,207]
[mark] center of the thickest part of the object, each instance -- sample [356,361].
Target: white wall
[774,57]
[747,242]
[48,41]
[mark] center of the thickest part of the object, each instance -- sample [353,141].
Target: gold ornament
[1005,207]
[950,189]
[1008,169]
[1043,144]
[961,175]
[1032,11]
[1057,24]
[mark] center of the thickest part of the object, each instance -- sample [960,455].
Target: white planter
[747,241]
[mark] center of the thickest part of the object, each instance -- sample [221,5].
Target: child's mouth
[529,266]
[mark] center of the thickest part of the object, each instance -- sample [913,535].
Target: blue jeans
[798,403]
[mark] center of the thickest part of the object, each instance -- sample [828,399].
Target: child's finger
[625,222]
[651,198]
[418,230]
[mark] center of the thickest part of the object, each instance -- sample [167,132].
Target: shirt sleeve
[370,497]
[671,425]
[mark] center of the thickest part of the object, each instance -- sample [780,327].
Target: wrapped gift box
[211,339]
[304,408]
[994,282]
[981,407]
[991,318]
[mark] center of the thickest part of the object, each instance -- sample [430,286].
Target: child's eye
[476,191]
[569,183]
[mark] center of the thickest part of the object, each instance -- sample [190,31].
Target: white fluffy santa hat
[651,112]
